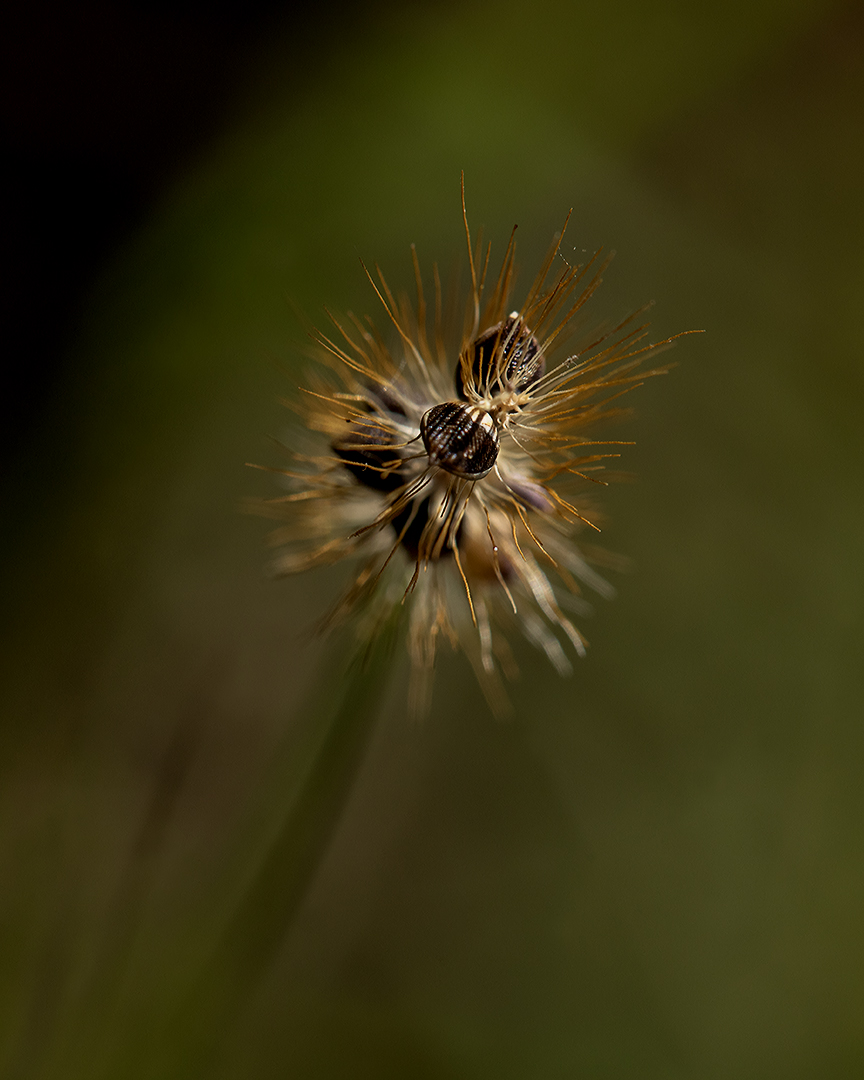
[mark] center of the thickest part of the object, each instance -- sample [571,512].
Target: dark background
[102,104]
[656,867]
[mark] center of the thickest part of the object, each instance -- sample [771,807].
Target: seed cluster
[460,438]
[472,453]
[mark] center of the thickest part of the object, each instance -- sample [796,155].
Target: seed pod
[460,439]
[365,448]
[368,457]
[505,357]
[409,525]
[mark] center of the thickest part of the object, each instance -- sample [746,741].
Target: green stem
[282,881]
[272,900]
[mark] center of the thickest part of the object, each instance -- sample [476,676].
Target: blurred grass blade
[267,909]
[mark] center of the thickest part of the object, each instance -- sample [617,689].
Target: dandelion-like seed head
[454,467]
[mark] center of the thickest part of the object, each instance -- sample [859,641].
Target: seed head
[454,465]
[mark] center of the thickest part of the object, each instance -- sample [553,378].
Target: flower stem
[267,911]
[281,883]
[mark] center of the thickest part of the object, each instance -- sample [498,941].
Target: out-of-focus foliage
[655,870]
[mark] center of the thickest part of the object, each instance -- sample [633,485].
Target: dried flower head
[453,465]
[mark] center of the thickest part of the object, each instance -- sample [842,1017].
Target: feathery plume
[455,465]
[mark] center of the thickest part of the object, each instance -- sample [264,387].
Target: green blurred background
[656,869]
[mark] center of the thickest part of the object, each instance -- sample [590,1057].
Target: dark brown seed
[365,452]
[409,525]
[460,439]
[505,357]
[365,446]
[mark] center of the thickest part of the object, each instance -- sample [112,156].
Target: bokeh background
[656,868]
